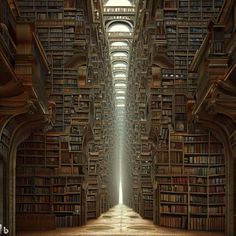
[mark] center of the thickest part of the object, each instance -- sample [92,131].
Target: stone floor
[119,220]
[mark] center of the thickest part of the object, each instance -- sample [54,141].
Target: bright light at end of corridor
[120,193]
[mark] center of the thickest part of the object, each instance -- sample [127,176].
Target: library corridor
[117,117]
[120,220]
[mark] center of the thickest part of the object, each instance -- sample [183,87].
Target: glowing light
[120,97]
[120,105]
[120,92]
[119,64]
[118,3]
[120,74]
[120,85]
[119,54]
[120,193]
[119,27]
[119,44]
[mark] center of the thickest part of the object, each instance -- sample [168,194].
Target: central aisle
[119,220]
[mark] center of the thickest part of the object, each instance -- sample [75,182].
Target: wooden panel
[28,222]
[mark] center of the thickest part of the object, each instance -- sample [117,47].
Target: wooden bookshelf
[191,182]
[79,85]
[49,179]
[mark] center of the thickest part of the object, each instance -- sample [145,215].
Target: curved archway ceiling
[119,55]
[119,44]
[119,27]
[112,3]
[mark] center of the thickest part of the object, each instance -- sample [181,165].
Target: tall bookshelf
[49,179]
[76,47]
[67,200]
[190,175]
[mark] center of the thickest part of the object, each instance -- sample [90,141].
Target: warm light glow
[120,105]
[120,74]
[120,85]
[119,64]
[120,92]
[120,193]
[120,97]
[119,44]
[119,54]
[112,3]
[119,27]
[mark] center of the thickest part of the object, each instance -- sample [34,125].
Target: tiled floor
[119,220]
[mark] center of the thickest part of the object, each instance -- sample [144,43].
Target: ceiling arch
[116,3]
[119,27]
[119,44]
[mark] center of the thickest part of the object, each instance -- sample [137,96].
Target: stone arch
[123,62]
[124,23]
[22,125]
[123,43]
[217,127]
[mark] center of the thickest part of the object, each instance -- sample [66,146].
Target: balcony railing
[121,68]
[119,10]
[119,48]
[123,58]
[217,47]
[120,34]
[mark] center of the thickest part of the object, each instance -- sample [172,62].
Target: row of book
[196,159]
[198,209]
[32,190]
[198,223]
[173,209]
[33,199]
[178,198]
[216,209]
[180,99]
[201,171]
[174,221]
[211,223]
[216,170]
[67,189]
[67,220]
[180,108]
[196,148]
[196,171]
[33,181]
[196,138]
[176,145]
[34,171]
[23,207]
[66,208]
[192,188]
[198,199]
[67,198]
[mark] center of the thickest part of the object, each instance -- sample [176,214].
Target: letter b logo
[5,230]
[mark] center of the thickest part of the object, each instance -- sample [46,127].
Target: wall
[1,190]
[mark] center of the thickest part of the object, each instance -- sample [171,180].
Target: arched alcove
[119,64]
[119,27]
[120,74]
[119,54]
